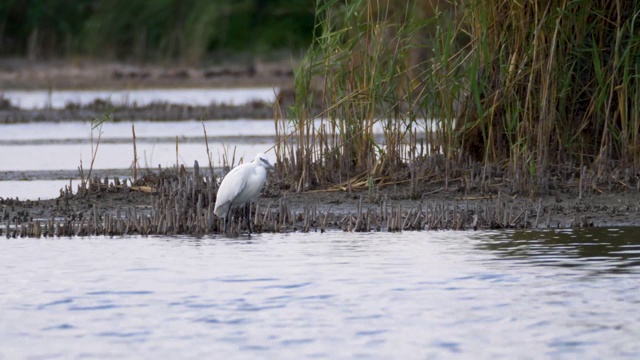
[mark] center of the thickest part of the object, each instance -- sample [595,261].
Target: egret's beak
[267,163]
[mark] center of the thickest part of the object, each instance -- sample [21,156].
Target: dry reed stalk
[177,162]
[96,123]
[135,154]
[206,143]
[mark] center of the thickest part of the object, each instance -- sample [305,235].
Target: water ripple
[472,295]
[453,347]
[59,327]
[93,308]
[110,292]
[124,334]
[197,305]
[239,321]
[295,342]
[287,286]
[243,280]
[254,348]
[53,303]
[252,308]
[371,332]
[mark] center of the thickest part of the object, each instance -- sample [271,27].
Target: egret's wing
[232,184]
[239,180]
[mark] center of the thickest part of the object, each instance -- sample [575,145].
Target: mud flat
[19,75]
[181,202]
[153,112]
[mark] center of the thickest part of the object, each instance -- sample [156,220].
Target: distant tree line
[153,30]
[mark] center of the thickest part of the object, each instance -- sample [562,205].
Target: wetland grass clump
[361,70]
[180,201]
[532,95]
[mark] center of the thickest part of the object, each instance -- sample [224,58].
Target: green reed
[532,90]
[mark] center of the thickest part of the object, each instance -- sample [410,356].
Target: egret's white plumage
[241,186]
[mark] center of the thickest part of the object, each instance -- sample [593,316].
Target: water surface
[413,295]
[55,151]
[39,158]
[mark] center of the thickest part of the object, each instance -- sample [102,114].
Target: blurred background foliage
[185,31]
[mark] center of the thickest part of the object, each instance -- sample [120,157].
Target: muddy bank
[78,74]
[154,112]
[173,203]
[19,74]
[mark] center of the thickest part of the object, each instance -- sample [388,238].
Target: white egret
[241,186]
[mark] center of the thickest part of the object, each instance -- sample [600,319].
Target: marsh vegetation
[529,94]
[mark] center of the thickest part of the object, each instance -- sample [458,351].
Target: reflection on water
[471,295]
[49,146]
[601,250]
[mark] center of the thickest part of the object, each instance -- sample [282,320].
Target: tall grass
[528,90]
[360,61]
[555,84]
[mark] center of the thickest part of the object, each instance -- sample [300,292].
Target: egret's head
[262,160]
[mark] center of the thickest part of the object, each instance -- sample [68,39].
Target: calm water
[46,155]
[415,295]
[55,150]
[54,146]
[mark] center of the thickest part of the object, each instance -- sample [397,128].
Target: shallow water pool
[39,157]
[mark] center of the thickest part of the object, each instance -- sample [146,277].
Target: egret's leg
[248,216]
[228,218]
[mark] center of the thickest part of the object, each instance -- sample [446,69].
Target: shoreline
[152,112]
[58,75]
[111,207]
